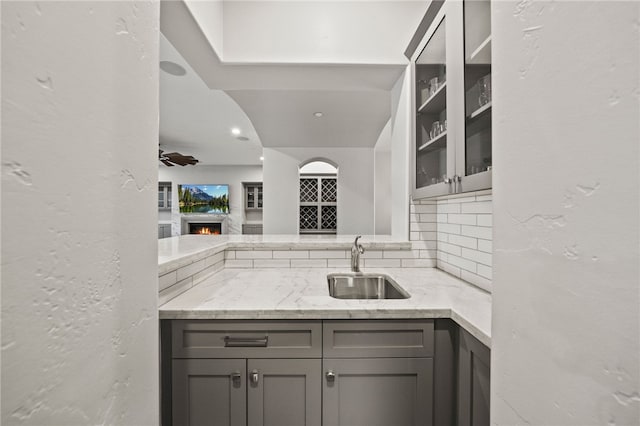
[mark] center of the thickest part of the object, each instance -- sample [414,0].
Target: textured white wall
[566,322]
[400,168]
[200,174]
[79,247]
[282,188]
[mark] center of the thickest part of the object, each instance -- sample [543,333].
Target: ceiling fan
[172,158]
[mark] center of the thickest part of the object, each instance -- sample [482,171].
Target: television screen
[212,199]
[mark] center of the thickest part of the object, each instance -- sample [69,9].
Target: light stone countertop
[303,294]
[178,251]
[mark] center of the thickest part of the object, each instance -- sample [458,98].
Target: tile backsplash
[451,233]
[460,228]
[422,254]
[181,279]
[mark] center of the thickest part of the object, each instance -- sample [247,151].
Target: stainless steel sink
[364,286]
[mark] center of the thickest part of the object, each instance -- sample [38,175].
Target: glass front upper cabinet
[477,85]
[452,100]
[431,115]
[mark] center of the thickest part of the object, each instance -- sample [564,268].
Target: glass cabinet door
[250,198]
[431,114]
[477,86]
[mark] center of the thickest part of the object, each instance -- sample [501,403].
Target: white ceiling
[195,120]
[278,98]
[285,118]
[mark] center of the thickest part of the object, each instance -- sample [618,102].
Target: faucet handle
[355,243]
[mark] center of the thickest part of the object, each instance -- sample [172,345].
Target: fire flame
[207,231]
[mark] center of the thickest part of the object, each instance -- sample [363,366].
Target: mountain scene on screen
[203,199]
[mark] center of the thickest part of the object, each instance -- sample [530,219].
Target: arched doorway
[318,197]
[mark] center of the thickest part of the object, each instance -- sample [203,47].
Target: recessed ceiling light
[242,138]
[172,68]
[235,131]
[261,158]
[318,114]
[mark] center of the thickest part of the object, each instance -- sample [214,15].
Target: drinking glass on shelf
[435,129]
[433,86]
[484,89]
[425,93]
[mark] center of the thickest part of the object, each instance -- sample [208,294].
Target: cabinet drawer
[246,339]
[378,339]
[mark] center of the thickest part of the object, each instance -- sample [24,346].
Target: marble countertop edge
[291,314]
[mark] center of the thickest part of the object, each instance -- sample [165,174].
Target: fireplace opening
[205,228]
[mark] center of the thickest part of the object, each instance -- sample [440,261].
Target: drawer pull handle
[245,342]
[236,376]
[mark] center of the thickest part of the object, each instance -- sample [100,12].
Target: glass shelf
[437,102]
[480,111]
[482,54]
[439,141]
[431,79]
[477,86]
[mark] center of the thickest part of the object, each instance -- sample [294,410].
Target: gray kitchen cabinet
[164,230]
[445,368]
[244,373]
[209,392]
[377,338]
[246,339]
[330,372]
[252,195]
[252,229]
[474,371]
[239,392]
[377,392]
[451,99]
[284,392]
[378,372]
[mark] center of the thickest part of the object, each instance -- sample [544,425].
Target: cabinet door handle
[254,377]
[456,182]
[245,342]
[236,376]
[331,376]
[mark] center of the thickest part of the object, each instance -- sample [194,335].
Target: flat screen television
[204,199]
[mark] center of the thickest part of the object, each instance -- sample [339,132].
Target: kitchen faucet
[356,251]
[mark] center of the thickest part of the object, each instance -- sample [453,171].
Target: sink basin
[364,286]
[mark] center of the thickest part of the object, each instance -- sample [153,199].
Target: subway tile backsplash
[463,237]
[451,233]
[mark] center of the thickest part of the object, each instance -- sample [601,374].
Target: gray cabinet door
[377,392]
[284,392]
[473,381]
[209,392]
